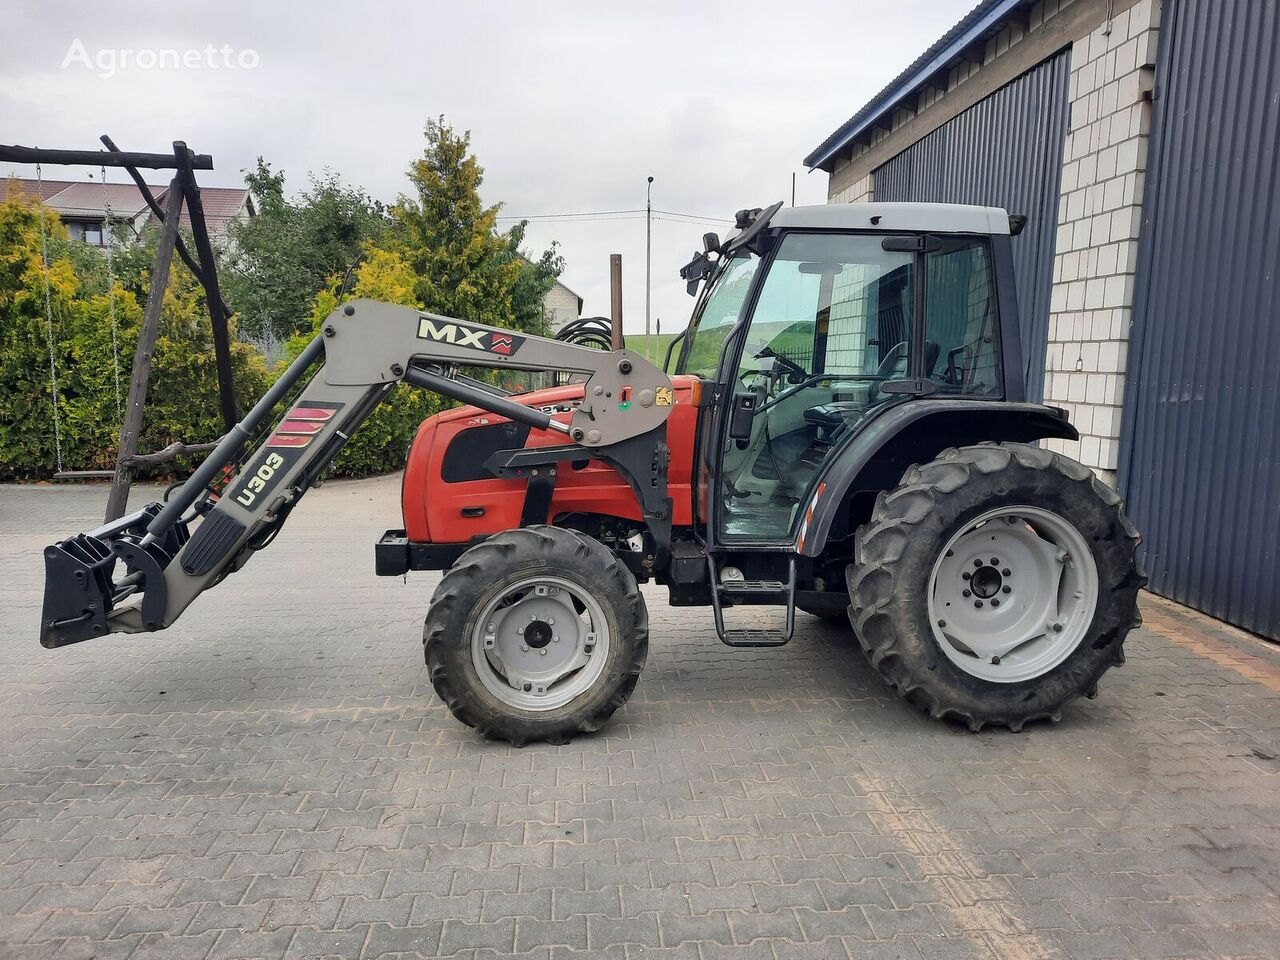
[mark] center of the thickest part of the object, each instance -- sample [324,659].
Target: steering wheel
[795,388]
[795,372]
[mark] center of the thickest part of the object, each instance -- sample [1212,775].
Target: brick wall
[1099,220]
[1099,215]
[860,192]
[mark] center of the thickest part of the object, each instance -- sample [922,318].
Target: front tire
[536,634]
[995,584]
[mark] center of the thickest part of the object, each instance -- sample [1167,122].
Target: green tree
[465,267]
[279,260]
[443,254]
[528,298]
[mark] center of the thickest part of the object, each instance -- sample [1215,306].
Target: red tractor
[845,432]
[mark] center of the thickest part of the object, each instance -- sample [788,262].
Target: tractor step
[755,638]
[734,592]
[752,587]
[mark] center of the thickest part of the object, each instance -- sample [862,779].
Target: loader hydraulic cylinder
[228,448]
[479,397]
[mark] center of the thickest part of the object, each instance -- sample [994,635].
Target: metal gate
[1201,427]
[1005,151]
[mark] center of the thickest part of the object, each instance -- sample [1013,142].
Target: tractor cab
[818,328]
[817,322]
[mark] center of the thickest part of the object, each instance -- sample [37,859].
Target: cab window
[960,324]
[700,354]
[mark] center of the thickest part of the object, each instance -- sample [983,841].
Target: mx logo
[461,335]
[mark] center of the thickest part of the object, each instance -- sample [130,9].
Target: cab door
[833,321]
[830,322]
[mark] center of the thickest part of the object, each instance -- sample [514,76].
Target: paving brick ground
[274,778]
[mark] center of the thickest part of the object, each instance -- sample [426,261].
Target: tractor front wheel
[536,634]
[995,584]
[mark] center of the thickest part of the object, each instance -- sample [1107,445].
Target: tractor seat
[834,414]
[894,365]
[833,417]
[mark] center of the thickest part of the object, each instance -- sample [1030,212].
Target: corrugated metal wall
[1198,462]
[1004,151]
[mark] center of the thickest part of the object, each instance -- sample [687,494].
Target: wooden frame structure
[182,189]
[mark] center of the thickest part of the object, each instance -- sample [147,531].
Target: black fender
[877,456]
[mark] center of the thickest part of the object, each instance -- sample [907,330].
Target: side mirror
[711,242]
[693,272]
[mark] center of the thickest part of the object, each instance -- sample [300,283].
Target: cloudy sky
[571,105]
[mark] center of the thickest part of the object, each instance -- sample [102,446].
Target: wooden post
[615,299]
[195,268]
[118,499]
[209,279]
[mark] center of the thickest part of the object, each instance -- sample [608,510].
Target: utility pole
[793,188]
[648,266]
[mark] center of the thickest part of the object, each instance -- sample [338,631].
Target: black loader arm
[140,572]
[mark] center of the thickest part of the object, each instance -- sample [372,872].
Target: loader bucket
[89,575]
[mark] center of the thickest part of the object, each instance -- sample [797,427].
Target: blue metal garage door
[1005,151]
[1198,461]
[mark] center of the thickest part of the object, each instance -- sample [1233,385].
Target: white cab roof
[934,217]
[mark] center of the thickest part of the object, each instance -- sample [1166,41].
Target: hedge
[182,402]
[381,445]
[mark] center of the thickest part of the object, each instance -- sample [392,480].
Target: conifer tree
[465,267]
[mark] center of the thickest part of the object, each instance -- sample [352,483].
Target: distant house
[562,305]
[84,207]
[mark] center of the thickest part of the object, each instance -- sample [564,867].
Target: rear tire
[498,678]
[1033,503]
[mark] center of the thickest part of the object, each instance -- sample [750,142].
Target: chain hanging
[111,287]
[48,311]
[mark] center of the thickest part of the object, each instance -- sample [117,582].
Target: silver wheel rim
[1013,594]
[540,643]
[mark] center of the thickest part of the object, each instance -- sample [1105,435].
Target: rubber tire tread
[894,554]
[470,583]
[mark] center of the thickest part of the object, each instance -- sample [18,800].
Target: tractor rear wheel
[995,584]
[536,634]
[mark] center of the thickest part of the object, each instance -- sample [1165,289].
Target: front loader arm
[171,553]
